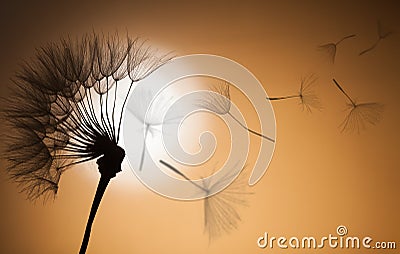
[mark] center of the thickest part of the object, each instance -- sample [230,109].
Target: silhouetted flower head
[61,111]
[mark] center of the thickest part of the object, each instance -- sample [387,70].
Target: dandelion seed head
[142,62]
[360,116]
[59,113]
[217,99]
[221,209]
[330,50]
[382,31]
[73,59]
[111,53]
[149,108]
[308,98]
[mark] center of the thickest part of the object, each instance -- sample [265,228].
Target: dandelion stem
[80,115]
[86,113]
[108,118]
[283,97]
[381,35]
[344,38]
[113,110]
[122,110]
[101,188]
[95,121]
[183,175]
[250,130]
[144,147]
[370,48]
[342,90]
[103,121]
[76,162]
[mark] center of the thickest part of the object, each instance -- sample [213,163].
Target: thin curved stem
[342,90]
[113,109]
[144,147]
[108,118]
[344,38]
[95,121]
[250,130]
[183,175]
[103,121]
[101,188]
[283,97]
[370,48]
[122,111]
[77,162]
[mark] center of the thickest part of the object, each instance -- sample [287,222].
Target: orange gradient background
[318,179]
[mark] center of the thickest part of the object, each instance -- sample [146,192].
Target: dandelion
[218,101]
[382,34]
[360,115]
[151,113]
[307,97]
[63,111]
[330,48]
[220,209]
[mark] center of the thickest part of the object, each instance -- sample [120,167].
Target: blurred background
[318,179]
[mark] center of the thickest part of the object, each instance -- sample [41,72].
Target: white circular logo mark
[144,111]
[341,230]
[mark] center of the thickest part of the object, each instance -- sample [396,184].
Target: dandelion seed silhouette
[222,105]
[220,209]
[308,100]
[150,114]
[63,111]
[382,34]
[360,115]
[331,48]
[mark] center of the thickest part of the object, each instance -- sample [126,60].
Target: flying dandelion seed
[308,100]
[382,34]
[360,115]
[331,48]
[63,111]
[218,101]
[151,114]
[220,209]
